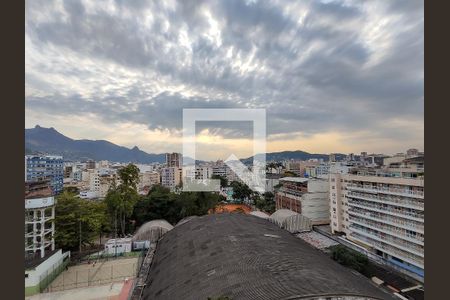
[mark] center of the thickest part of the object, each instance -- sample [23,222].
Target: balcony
[388,191]
[391,230]
[396,201]
[389,211]
[408,257]
[401,223]
[394,242]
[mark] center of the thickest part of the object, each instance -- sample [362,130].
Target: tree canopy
[266,203]
[351,258]
[160,203]
[241,191]
[122,198]
[71,213]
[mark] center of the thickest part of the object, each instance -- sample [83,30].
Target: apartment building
[100,180]
[90,164]
[39,218]
[171,177]
[220,169]
[94,180]
[149,179]
[203,172]
[103,164]
[319,170]
[77,175]
[68,170]
[174,160]
[382,209]
[40,167]
[299,167]
[306,196]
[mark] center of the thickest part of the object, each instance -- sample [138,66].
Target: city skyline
[334,76]
[367,151]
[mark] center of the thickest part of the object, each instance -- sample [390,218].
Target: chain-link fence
[47,277]
[95,273]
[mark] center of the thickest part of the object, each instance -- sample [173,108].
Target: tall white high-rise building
[382,209]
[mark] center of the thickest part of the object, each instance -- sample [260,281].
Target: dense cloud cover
[316,66]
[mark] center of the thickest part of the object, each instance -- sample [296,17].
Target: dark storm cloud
[314,66]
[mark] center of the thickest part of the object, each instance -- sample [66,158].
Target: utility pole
[115,235]
[80,233]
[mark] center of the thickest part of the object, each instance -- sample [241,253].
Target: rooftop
[119,240]
[246,257]
[295,179]
[32,260]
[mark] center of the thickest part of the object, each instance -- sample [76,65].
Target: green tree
[122,198]
[73,214]
[350,258]
[266,203]
[129,176]
[241,191]
[160,203]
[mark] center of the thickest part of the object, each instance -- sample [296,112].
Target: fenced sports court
[95,273]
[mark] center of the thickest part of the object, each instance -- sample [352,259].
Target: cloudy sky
[333,76]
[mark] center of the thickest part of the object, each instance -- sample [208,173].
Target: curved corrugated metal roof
[297,223]
[152,231]
[185,220]
[281,215]
[243,257]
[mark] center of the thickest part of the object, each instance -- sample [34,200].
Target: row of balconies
[393,200]
[388,209]
[406,235]
[388,239]
[387,219]
[406,256]
[392,191]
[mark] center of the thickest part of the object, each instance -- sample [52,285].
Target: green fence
[47,277]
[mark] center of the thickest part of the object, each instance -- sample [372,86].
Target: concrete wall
[42,275]
[316,203]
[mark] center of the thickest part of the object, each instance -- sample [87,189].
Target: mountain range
[50,141]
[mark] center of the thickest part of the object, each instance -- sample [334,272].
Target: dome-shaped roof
[185,220]
[152,231]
